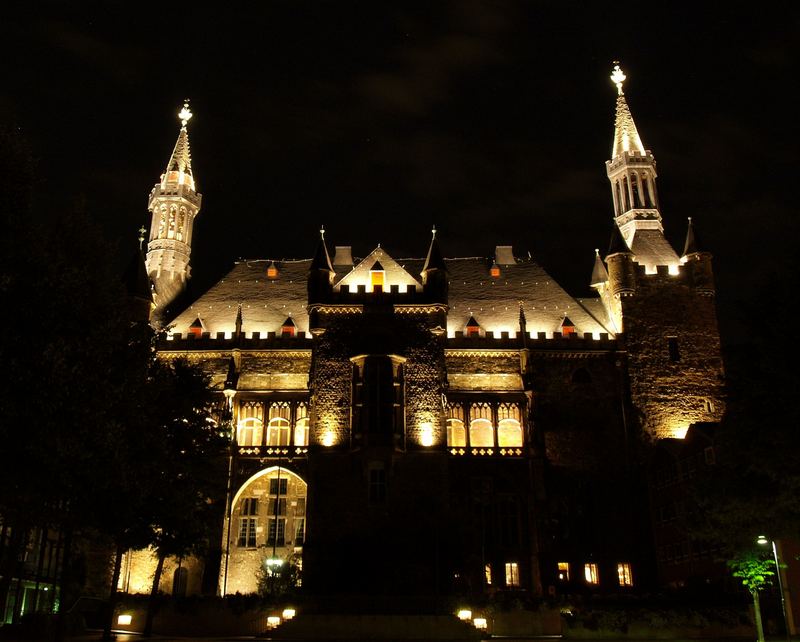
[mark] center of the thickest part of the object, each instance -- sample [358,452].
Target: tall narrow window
[277,531]
[512,574]
[377,277]
[624,574]
[673,349]
[481,429]
[487,574]
[250,506]
[247,532]
[590,573]
[563,571]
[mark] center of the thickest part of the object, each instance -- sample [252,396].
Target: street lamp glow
[762,539]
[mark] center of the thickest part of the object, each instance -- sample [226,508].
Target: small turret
[621,275]
[697,263]
[320,273]
[434,273]
[599,272]
[174,204]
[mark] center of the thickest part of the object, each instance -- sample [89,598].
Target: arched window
[456,434]
[278,432]
[509,426]
[637,198]
[173,216]
[481,433]
[481,428]
[249,432]
[181,224]
[509,433]
[162,223]
[626,194]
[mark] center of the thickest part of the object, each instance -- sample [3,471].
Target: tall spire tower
[632,172]
[174,202]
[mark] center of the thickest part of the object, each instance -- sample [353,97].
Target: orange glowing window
[377,278]
[567,327]
[272,271]
[563,571]
[590,573]
[495,271]
[624,574]
[473,328]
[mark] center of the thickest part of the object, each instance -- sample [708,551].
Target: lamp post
[763,541]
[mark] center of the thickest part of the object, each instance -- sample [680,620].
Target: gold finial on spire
[618,77]
[185,114]
[142,232]
[433,231]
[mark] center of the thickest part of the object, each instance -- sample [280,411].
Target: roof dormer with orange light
[174,204]
[378,272]
[473,328]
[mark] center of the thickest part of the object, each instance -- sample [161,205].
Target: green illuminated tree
[755,573]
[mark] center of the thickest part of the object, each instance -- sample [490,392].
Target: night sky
[491,120]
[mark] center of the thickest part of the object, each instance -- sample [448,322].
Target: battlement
[535,341]
[219,341]
[347,295]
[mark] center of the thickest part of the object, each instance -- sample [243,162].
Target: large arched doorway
[266,528]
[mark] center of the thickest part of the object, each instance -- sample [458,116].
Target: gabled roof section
[395,273]
[266,302]
[650,248]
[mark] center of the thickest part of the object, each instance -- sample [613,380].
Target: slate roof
[494,302]
[650,249]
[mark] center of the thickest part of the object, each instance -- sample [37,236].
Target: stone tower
[174,202]
[662,304]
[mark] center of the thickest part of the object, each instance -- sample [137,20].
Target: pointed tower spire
[174,204]
[632,174]
[691,246]
[626,136]
[434,272]
[599,272]
[434,259]
[322,260]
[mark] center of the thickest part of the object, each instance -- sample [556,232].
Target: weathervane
[185,114]
[617,77]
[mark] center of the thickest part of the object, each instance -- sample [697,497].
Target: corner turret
[174,203]
[434,273]
[320,273]
[697,263]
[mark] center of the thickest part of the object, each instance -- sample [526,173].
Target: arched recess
[267,522]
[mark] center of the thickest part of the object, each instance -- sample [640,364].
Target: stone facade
[429,427]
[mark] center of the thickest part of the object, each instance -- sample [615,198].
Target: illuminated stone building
[438,425]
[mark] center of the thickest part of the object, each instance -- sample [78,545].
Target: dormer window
[495,271]
[473,328]
[272,271]
[288,329]
[377,277]
[567,327]
[196,329]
